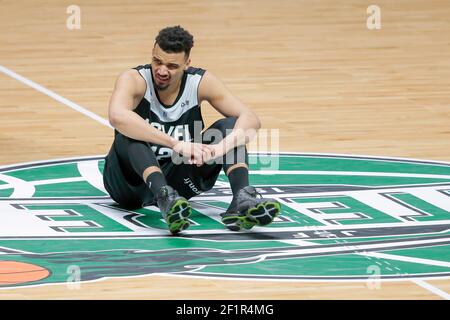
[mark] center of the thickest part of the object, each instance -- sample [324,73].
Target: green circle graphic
[343,217]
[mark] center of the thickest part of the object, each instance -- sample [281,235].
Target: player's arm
[217,94]
[128,92]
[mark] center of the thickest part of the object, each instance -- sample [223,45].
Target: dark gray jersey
[181,120]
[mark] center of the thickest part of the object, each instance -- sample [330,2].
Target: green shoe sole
[178,217]
[264,213]
[261,215]
[234,222]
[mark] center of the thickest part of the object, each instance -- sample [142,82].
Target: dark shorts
[188,180]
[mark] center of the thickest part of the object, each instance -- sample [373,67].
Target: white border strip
[55,96]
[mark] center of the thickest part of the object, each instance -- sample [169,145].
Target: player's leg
[125,194]
[247,208]
[137,163]
[234,163]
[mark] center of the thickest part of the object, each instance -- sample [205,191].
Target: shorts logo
[191,185]
[341,217]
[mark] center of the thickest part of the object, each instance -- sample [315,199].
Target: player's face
[168,68]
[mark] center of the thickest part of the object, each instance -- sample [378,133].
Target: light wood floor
[311,69]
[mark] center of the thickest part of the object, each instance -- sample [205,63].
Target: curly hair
[175,40]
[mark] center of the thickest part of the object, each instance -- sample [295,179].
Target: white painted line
[49,162]
[56,181]
[432,289]
[348,156]
[55,96]
[419,282]
[348,248]
[300,243]
[103,121]
[251,153]
[349,173]
[407,259]
[43,182]
[6,250]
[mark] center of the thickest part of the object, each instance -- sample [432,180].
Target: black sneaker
[248,209]
[174,209]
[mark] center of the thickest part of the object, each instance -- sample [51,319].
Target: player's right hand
[193,152]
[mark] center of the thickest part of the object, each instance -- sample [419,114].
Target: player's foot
[248,209]
[174,209]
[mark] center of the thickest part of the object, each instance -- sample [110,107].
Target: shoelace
[255,193]
[165,194]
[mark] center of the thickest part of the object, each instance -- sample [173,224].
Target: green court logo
[343,218]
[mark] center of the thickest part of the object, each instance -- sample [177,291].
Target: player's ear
[188,63]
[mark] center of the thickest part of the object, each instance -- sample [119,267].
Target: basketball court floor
[355,143]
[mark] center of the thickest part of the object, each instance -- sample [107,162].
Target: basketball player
[161,156]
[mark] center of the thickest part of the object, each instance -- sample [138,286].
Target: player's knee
[128,145]
[225,124]
[219,129]
[122,141]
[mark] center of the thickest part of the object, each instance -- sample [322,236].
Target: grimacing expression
[168,68]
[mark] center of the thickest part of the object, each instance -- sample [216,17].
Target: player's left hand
[213,151]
